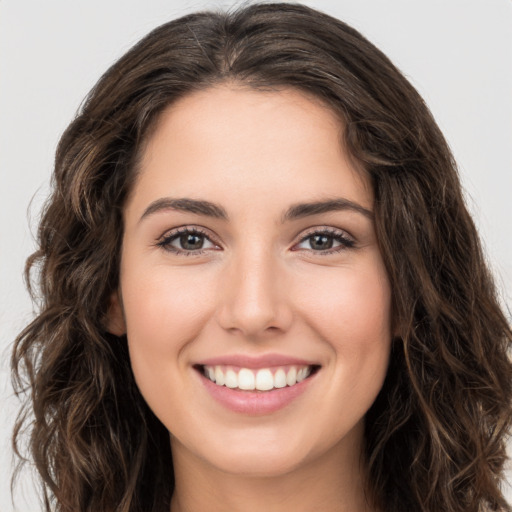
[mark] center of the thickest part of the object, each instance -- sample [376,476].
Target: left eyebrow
[298,211]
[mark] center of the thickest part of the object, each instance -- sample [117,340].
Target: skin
[257,287]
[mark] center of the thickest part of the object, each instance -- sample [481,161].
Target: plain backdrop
[457,53]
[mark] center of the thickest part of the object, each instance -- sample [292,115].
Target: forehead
[231,139]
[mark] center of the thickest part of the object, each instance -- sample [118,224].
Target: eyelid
[346,240]
[171,234]
[187,228]
[331,230]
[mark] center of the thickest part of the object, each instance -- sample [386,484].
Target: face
[250,258]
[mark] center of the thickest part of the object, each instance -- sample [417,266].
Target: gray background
[458,54]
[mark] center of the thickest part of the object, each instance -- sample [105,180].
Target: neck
[333,482]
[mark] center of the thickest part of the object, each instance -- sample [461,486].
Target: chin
[259,463]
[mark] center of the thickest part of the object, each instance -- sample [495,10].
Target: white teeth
[303,373]
[264,380]
[231,379]
[219,376]
[246,379]
[280,379]
[261,380]
[291,376]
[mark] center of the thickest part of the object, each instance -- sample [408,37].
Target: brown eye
[321,242]
[186,241]
[191,241]
[325,241]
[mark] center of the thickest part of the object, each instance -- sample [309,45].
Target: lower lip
[255,402]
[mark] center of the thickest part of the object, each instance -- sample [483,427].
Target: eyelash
[339,236]
[165,241]
[336,235]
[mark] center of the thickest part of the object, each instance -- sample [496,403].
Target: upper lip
[247,361]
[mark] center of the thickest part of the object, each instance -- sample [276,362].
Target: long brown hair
[435,437]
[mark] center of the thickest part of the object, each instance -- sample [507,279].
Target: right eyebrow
[199,207]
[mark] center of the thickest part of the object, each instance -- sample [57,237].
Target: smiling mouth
[262,379]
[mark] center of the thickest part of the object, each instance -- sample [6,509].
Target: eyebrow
[296,211]
[196,206]
[301,210]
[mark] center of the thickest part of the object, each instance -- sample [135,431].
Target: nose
[254,300]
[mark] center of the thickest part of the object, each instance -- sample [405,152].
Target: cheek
[165,310]
[351,308]
[351,311]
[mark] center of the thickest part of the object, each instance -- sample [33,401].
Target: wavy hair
[435,436]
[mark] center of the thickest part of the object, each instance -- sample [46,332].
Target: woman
[257,247]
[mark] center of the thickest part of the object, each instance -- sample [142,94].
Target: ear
[115,322]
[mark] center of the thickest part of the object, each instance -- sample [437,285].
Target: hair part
[435,437]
